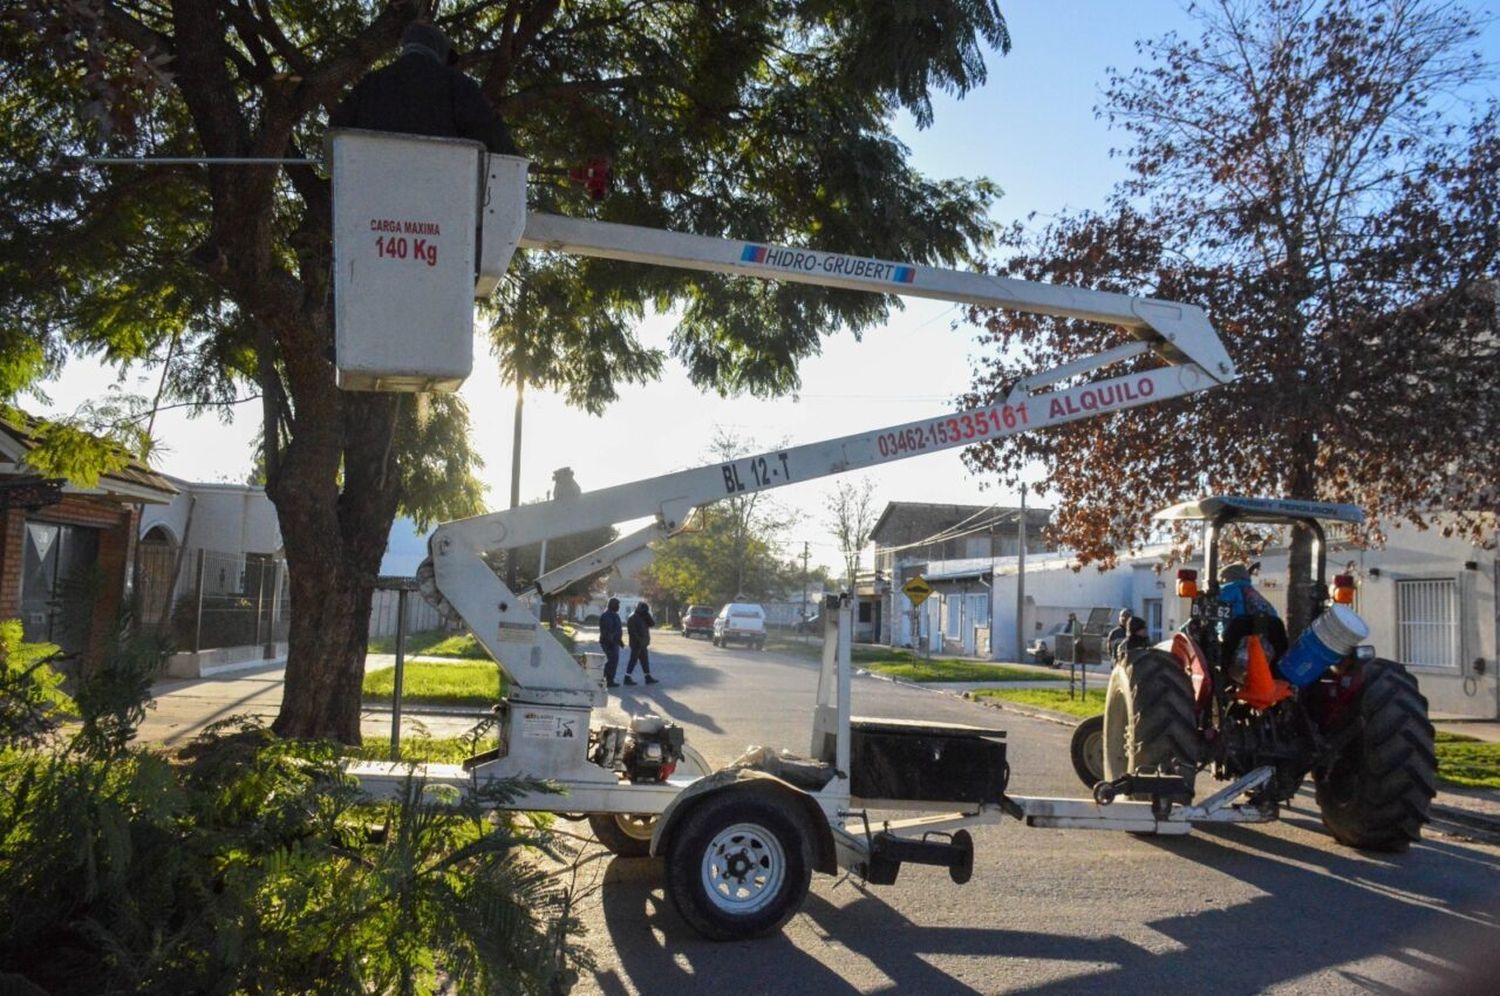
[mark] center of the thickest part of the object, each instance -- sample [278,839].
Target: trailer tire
[1148,718]
[1087,749]
[626,834]
[740,865]
[1376,794]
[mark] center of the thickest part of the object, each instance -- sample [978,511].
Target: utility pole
[1021,584]
[804,581]
[515,472]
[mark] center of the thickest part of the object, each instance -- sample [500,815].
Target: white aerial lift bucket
[405,229]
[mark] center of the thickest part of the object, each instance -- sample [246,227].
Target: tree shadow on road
[660,954]
[1427,920]
[655,698]
[1434,910]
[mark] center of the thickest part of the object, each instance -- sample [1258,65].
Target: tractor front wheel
[1376,793]
[1087,749]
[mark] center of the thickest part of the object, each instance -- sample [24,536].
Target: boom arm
[459,581]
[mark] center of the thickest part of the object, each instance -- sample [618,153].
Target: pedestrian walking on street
[610,641]
[639,629]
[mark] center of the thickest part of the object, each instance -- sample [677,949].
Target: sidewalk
[183,707]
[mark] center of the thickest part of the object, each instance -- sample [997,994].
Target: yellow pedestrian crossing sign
[917,589]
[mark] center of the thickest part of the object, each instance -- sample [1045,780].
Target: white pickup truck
[742,621]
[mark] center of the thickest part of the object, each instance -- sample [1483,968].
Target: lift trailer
[740,843]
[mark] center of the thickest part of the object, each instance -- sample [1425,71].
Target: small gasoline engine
[646,751]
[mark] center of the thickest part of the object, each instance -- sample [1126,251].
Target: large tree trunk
[1301,483]
[334,533]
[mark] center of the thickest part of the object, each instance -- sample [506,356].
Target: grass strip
[442,643]
[425,750]
[432,643]
[1468,761]
[1055,699]
[459,683]
[914,668]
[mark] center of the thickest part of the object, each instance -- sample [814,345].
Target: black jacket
[418,95]
[639,628]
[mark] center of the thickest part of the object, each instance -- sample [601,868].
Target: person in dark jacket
[639,629]
[610,641]
[422,94]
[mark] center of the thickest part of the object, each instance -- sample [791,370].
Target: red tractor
[1230,694]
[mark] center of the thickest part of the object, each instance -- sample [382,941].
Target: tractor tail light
[1187,583]
[1343,589]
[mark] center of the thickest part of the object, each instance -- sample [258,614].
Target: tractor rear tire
[1087,749]
[1376,794]
[1148,719]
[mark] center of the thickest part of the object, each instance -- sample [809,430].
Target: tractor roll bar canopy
[1277,511]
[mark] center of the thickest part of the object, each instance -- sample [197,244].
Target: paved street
[1232,910]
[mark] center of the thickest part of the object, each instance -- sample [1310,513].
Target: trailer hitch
[1164,785]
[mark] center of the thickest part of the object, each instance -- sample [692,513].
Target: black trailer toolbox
[926,762]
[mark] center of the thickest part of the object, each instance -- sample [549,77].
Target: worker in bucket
[421,93]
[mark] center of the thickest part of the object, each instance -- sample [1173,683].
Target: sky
[1031,129]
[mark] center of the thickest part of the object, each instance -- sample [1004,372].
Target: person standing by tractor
[610,641]
[639,628]
[1118,635]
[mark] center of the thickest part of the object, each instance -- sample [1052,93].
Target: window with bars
[1427,622]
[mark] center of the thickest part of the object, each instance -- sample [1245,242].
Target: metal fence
[208,599]
[384,612]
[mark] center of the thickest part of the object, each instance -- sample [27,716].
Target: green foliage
[1055,700]
[767,120]
[1467,761]
[714,564]
[468,684]
[1324,179]
[254,866]
[32,703]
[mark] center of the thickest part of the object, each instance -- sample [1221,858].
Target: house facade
[66,550]
[954,548]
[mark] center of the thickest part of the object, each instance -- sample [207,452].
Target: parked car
[812,624]
[744,622]
[1044,648]
[698,620]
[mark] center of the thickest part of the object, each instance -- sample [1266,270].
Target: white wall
[1413,555]
[232,518]
[1409,555]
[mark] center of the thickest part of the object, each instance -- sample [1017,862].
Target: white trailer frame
[552,698]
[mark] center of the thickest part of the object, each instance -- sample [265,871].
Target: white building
[1430,602]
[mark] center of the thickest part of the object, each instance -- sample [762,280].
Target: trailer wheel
[739,866]
[1148,717]
[1088,750]
[626,834]
[1376,793]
